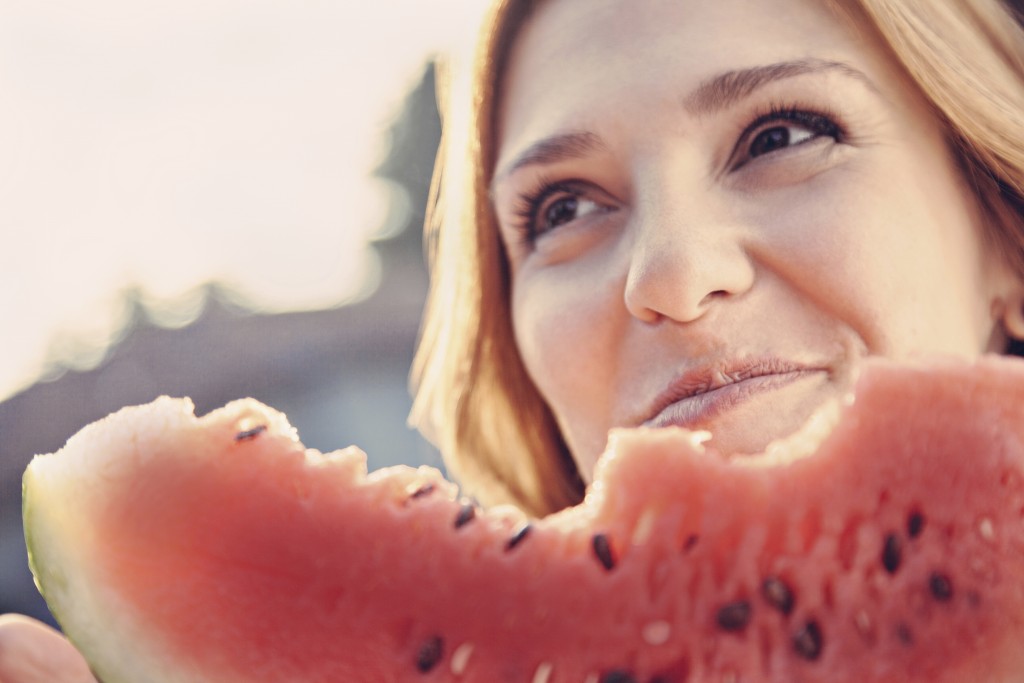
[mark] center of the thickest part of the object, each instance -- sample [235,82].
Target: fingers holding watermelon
[32,652]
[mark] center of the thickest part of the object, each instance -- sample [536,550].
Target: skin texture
[31,652]
[687,260]
[677,249]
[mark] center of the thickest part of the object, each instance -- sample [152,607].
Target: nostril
[711,296]
[645,314]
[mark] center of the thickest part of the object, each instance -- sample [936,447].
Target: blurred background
[214,199]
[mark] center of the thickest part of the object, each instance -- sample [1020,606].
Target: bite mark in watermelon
[179,549]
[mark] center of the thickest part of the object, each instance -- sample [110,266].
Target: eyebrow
[725,89]
[712,95]
[550,150]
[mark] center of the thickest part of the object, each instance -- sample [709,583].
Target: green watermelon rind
[73,596]
[73,605]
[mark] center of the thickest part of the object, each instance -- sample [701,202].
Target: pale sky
[162,144]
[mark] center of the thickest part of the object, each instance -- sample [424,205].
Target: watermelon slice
[886,545]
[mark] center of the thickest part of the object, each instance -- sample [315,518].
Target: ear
[1006,289]
[1009,309]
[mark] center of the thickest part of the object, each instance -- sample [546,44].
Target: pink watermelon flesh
[218,550]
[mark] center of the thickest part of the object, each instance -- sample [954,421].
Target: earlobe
[1011,313]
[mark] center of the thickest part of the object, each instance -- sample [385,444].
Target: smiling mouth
[689,404]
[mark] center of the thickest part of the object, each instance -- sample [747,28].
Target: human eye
[783,128]
[555,204]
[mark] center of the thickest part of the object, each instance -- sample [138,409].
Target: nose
[684,261]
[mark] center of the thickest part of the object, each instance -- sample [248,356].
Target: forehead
[602,30]
[571,52]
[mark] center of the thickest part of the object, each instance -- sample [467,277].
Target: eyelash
[529,204]
[822,122]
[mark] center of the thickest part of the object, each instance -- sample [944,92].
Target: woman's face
[714,209]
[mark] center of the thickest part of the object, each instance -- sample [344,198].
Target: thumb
[31,652]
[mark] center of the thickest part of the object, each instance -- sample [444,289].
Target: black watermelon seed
[467,512]
[679,672]
[618,676]
[778,594]
[430,654]
[904,634]
[422,491]
[603,550]
[250,433]
[892,553]
[808,641]
[941,587]
[915,524]
[735,616]
[690,542]
[518,537]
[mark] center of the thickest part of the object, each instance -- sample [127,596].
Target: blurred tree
[340,375]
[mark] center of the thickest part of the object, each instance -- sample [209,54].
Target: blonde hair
[474,398]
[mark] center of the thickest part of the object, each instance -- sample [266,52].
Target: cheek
[567,327]
[559,331]
[895,255]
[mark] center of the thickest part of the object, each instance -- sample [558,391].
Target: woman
[683,192]
[706,213]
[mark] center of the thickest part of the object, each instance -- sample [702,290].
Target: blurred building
[340,375]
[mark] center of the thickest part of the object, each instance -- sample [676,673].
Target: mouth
[703,393]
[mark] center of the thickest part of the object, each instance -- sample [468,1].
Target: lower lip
[694,411]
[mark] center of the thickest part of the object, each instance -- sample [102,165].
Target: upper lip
[705,378]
